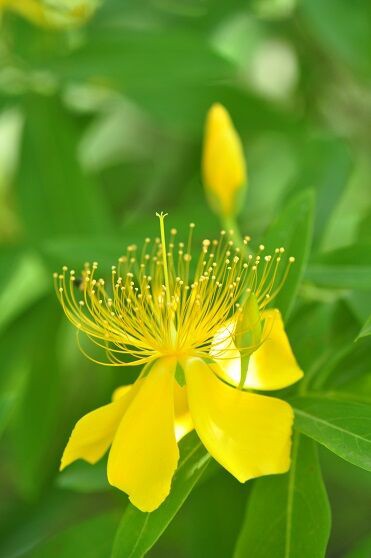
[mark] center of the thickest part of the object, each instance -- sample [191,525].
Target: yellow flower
[185,328]
[52,13]
[223,163]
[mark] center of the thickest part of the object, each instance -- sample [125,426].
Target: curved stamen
[154,304]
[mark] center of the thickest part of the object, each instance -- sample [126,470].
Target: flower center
[164,302]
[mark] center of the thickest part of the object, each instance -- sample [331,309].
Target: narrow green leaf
[343,427]
[293,231]
[362,549]
[75,251]
[288,516]
[343,268]
[344,34]
[84,477]
[6,406]
[34,423]
[326,167]
[91,537]
[23,280]
[138,531]
[144,62]
[55,195]
[44,519]
[366,330]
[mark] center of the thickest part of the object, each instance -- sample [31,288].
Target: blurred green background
[100,127]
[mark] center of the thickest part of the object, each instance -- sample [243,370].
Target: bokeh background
[101,125]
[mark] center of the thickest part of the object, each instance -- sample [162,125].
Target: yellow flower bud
[53,14]
[223,164]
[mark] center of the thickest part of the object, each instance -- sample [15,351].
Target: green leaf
[325,167]
[344,268]
[34,445]
[342,426]
[43,519]
[293,231]
[75,251]
[55,195]
[139,531]
[288,516]
[344,33]
[84,477]
[6,406]
[361,550]
[366,330]
[143,62]
[91,537]
[22,281]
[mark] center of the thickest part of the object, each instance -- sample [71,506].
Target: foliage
[100,127]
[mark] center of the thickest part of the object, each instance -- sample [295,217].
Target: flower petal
[144,453]
[120,392]
[273,365]
[250,435]
[183,418]
[225,352]
[94,432]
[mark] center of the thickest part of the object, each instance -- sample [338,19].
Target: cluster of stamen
[162,302]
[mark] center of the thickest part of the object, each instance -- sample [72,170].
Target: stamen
[162,305]
[162,216]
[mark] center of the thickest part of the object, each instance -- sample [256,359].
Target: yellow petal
[94,432]
[144,453]
[248,434]
[120,392]
[183,418]
[226,354]
[273,365]
[224,167]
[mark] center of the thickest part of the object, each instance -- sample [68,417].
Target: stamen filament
[162,216]
[168,303]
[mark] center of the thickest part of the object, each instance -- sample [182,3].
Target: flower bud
[223,164]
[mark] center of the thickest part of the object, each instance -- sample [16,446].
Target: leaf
[288,516]
[344,33]
[366,330]
[6,406]
[344,268]
[22,281]
[55,196]
[91,537]
[293,231]
[312,316]
[75,251]
[325,167]
[139,531]
[34,445]
[149,61]
[84,477]
[362,549]
[43,519]
[342,426]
